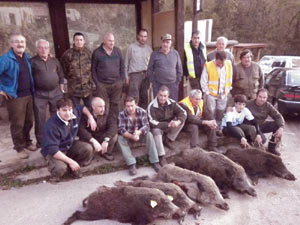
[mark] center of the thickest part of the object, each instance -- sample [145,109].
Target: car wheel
[279,108]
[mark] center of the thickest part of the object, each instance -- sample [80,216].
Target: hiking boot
[162,160]
[23,154]
[272,148]
[156,167]
[31,147]
[217,150]
[132,170]
[108,156]
[76,174]
[219,133]
[54,179]
[168,143]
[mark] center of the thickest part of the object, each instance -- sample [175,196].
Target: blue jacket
[57,136]
[9,73]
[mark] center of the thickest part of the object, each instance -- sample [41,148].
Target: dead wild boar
[198,187]
[258,163]
[135,205]
[225,172]
[175,193]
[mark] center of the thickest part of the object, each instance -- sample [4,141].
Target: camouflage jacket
[77,69]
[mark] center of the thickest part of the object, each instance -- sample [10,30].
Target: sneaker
[156,167]
[168,143]
[31,147]
[23,154]
[108,156]
[132,170]
[162,160]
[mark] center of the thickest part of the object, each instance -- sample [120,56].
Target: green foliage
[275,22]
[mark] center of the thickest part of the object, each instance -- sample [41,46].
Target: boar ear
[229,173]
[200,187]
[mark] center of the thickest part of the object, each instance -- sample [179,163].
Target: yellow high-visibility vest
[189,104]
[190,59]
[213,77]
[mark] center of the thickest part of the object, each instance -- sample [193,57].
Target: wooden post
[58,18]
[179,33]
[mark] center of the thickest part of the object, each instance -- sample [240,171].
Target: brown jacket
[242,84]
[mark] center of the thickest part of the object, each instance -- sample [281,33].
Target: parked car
[283,85]
[269,62]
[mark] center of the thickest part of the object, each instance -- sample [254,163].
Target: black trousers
[20,115]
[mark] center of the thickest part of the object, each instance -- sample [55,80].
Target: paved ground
[277,203]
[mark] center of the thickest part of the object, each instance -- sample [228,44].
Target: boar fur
[258,163]
[226,173]
[127,205]
[179,197]
[198,187]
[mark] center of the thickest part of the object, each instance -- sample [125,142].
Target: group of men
[29,86]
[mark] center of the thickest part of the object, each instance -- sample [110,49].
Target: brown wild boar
[258,163]
[225,172]
[175,193]
[198,187]
[135,205]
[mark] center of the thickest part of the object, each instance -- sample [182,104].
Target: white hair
[11,38]
[41,40]
[224,39]
[195,92]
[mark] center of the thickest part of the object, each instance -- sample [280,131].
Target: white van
[270,62]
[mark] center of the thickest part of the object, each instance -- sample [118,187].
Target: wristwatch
[107,139]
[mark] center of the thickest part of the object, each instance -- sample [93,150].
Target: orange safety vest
[213,77]
[189,104]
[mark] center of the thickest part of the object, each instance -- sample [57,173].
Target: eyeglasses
[19,42]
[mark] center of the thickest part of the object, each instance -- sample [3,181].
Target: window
[95,20]
[30,19]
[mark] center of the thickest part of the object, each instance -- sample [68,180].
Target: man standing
[193,105]
[60,149]
[194,60]
[76,63]
[221,46]
[133,126]
[104,137]
[261,110]
[165,68]
[166,117]
[136,62]
[247,77]
[216,82]
[49,85]
[108,72]
[16,86]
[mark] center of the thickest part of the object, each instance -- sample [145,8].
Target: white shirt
[237,118]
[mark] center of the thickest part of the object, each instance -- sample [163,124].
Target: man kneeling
[59,148]
[193,105]
[133,126]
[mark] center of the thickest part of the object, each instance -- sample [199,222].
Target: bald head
[109,41]
[98,106]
